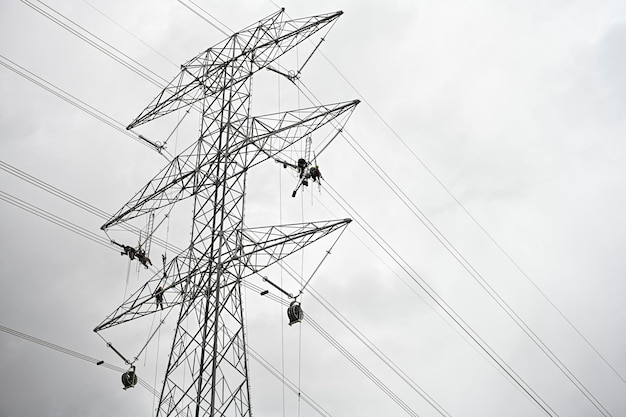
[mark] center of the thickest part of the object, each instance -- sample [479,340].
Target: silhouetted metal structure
[207,373]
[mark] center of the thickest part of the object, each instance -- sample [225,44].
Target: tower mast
[207,371]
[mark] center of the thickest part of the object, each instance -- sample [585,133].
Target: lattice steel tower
[207,372]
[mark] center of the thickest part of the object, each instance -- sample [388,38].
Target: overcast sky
[516,107]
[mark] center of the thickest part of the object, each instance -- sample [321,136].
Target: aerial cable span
[72,227]
[450,312]
[477,276]
[207,372]
[225,30]
[527,389]
[76,202]
[78,355]
[360,336]
[288,383]
[104,47]
[465,264]
[130,33]
[406,200]
[349,356]
[96,42]
[477,223]
[81,105]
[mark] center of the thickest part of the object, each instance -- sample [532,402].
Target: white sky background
[518,107]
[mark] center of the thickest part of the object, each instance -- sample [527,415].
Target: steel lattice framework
[207,373]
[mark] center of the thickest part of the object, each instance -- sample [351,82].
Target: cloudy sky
[500,126]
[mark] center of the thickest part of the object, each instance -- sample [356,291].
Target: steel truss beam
[260,248]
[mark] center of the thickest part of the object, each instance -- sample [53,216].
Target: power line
[226,32]
[74,101]
[286,382]
[363,339]
[434,230]
[466,264]
[257,357]
[474,220]
[74,354]
[475,274]
[377,352]
[345,352]
[450,312]
[130,33]
[422,283]
[368,229]
[77,202]
[55,219]
[96,42]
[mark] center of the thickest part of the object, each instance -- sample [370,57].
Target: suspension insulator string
[109,344]
[266,279]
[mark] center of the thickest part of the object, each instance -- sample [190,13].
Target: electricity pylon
[207,372]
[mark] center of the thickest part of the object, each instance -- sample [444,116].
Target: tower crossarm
[264,246]
[275,133]
[271,134]
[184,283]
[166,188]
[172,279]
[258,248]
[259,44]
